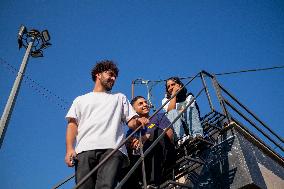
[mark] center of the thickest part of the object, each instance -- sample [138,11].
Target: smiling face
[141,107]
[106,79]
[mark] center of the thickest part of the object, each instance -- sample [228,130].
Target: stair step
[171,184]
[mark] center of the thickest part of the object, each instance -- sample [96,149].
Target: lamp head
[37,53]
[34,33]
[45,45]
[39,40]
[45,35]
[22,31]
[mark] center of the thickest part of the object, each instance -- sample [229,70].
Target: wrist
[138,123]
[69,148]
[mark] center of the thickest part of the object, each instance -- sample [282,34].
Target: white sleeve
[188,99]
[165,108]
[73,111]
[128,111]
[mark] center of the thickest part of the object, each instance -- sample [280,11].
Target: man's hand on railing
[142,121]
[137,121]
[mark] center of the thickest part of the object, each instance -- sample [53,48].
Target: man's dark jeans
[106,176]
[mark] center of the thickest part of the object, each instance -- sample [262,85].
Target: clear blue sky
[148,39]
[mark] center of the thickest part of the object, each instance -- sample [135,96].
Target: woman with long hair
[189,123]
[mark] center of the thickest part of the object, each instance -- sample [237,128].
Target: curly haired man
[95,124]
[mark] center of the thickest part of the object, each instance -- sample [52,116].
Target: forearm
[71,134]
[132,123]
[172,104]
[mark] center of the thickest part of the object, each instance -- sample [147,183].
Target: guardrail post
[207,92]
[220,97]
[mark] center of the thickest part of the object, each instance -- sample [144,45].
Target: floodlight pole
[14,93]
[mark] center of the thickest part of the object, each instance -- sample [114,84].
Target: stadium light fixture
[34,41]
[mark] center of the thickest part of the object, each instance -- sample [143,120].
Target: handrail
[143,163]
[221,99]
[109,155]
[156,141]
[223,102]
[120,145]
[253,124]
[106,158]
[206,73]
[207,92]
[251,113]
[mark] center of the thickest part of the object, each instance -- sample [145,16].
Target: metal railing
[156,141]
[263,129]
[123,143]
[224,104]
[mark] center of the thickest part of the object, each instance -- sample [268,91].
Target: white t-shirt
[100,118]
[179,105]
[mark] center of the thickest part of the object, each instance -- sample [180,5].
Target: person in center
[163,155]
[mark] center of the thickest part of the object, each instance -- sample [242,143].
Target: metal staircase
[231,150]
[191,153]
[238,150]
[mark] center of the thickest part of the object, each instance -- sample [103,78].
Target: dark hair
[135,99]
[181,96]
[104,65]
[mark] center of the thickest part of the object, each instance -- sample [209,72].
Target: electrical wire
[224,73]
[62,103]
[40,89]
[251,70]
[155,82]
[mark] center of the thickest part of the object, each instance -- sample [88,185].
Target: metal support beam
[207,92]
[220,98]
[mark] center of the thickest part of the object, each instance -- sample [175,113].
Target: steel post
[14,93]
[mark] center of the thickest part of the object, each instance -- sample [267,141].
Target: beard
[107,84]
